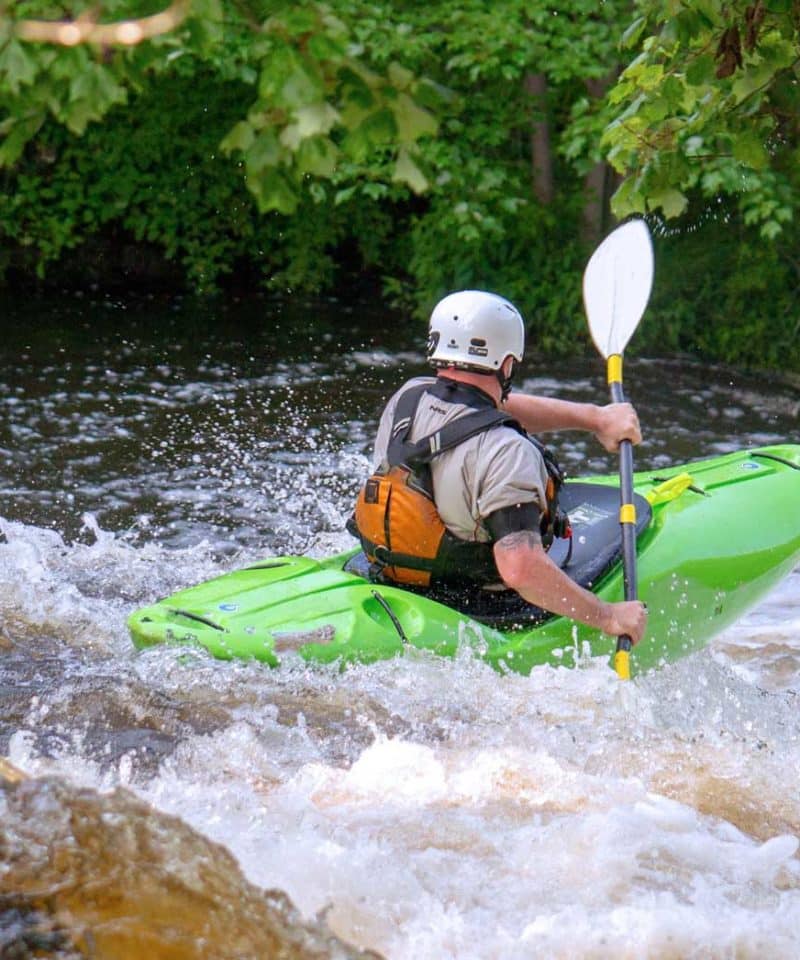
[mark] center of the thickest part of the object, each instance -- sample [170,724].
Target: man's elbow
[517,563]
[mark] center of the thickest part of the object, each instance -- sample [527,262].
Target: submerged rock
[107,876]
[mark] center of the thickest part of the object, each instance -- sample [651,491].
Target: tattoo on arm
[522,538]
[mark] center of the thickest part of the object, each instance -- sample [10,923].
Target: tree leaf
[272,191]
[264,153]
[407,171]
[671,201]
[343,196]
[377,129]
[14,140]
[628,199]
[317,156]
[78,114]
[309,121]
[323,46]
[240,137]
[632,34]
[749,149]
[700,71]
[412,121]
[96,90]
[289,80]
[399,76]
[646,77]
[18,66]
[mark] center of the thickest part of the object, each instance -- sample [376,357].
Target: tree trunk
[595,207]
[542,177]
[599,181]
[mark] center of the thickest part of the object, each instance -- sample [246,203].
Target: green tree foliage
[708,106]
[436,145]
[261,96]
[337,113]
[702,126]
[295,58]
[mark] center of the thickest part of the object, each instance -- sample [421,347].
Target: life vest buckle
[561,525]
[378,561]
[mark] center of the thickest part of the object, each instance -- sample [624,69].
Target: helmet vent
[478,348]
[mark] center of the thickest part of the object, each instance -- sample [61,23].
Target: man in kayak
[460,494]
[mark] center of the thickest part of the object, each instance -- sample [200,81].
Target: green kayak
[713,537]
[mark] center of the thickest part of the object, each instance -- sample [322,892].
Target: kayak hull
[717,542]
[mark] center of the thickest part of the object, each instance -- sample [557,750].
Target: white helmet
[475,330]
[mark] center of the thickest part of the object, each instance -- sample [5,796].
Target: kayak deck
[716,542]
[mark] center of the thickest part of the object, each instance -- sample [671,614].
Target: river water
[419,808]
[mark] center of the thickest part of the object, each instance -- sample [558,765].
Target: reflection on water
[421,808]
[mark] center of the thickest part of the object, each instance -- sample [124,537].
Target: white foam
[435,808]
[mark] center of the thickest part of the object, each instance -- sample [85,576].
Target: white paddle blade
[616,286]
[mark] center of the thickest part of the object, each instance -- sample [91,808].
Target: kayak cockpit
[586,557]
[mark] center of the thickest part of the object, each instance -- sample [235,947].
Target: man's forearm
[526,568]
[553,590]
[541,414]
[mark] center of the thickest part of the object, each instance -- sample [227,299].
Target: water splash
[427,808]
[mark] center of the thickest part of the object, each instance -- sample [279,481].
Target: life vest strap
[452,434]
[391,558]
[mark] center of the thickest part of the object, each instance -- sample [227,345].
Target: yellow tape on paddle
[622,664]
[627,513]
[615,368]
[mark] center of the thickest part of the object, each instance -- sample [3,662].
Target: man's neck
[487,382]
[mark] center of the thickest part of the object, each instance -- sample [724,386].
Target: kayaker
[460,493]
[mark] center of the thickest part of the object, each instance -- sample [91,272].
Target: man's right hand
[628,618]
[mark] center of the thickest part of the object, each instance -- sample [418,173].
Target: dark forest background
[401,150]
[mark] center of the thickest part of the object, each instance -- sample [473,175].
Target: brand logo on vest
[372,490]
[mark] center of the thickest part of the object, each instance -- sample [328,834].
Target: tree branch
[86,29]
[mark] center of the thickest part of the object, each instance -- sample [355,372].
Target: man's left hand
[617,422]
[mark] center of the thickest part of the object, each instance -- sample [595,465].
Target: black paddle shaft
[628,529]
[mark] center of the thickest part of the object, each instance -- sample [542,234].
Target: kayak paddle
[616,288]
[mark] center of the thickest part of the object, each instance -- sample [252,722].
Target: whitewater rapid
[422,808]
[429,808]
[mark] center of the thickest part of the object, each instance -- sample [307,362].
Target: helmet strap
[505,381]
